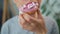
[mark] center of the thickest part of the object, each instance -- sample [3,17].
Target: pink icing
[28,7]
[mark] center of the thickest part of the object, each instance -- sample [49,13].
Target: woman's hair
[5,15]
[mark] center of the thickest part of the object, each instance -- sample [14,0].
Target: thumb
[38,14]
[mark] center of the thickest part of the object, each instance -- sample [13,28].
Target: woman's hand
[34,24]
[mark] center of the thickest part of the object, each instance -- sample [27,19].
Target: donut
[29,8]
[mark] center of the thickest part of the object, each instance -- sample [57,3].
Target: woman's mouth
[29,7]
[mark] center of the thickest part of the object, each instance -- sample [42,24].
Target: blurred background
[49,8]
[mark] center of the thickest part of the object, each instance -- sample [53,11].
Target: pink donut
[29,7]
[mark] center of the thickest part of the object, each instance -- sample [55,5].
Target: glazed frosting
[28,7]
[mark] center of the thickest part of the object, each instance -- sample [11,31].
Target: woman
[30,20]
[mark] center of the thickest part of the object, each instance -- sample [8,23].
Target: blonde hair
[5,11]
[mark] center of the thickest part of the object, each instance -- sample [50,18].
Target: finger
[36,21]
[26,18]
[29,20]
[41,22]
[39,14]
[33,24]
[23,22]
[21,19]
[32,18]
[39,1]
[36,15]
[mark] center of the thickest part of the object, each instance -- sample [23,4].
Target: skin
[34,21]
